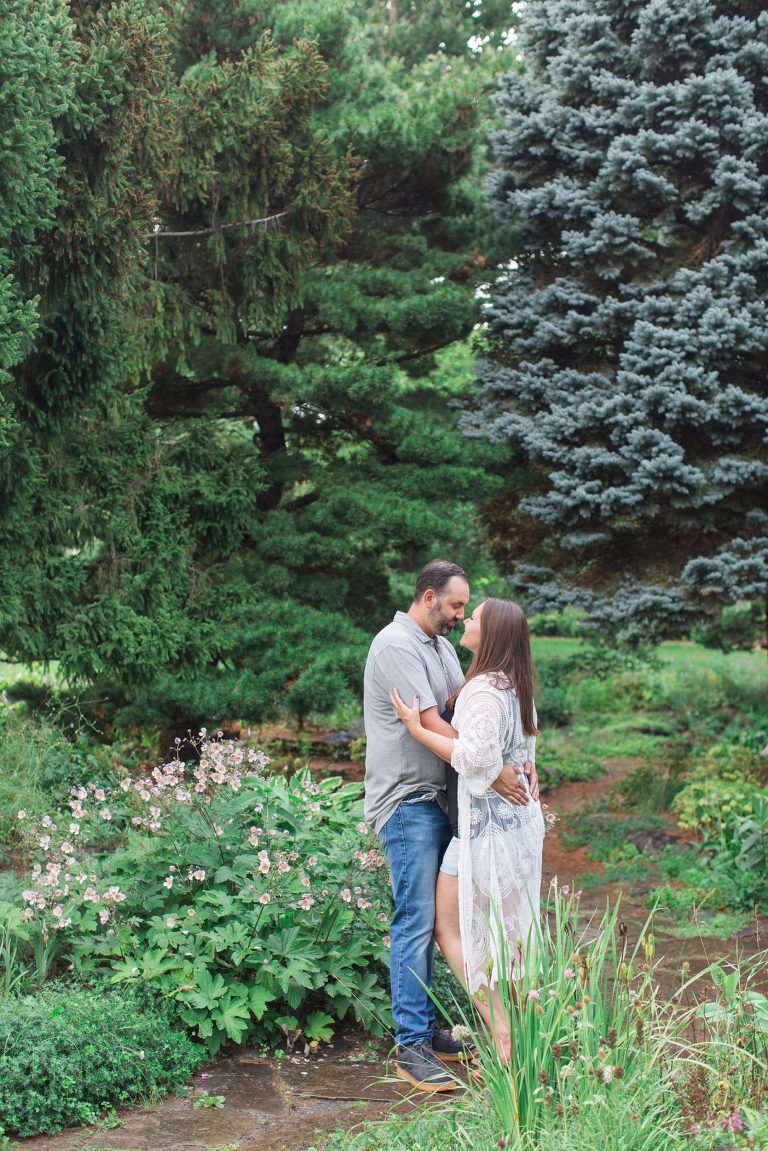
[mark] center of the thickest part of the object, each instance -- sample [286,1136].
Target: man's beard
[437,621]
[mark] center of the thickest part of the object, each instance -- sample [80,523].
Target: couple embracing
[451,789]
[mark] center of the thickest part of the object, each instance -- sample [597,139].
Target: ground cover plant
[69,1054]
[252,899]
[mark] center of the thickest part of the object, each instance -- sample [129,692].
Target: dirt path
[568,864]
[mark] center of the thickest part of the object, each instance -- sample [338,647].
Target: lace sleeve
[477,753]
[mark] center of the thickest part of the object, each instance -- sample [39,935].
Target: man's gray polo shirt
[397,765]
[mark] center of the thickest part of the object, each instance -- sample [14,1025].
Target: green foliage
[639,1113]
[68,1055]
[718,791]
[739,627]
[653,785]
[623,370]
[601,1057]
[269,225]
[578,1019]
[729,1056]
[250,899]
[206,1101]
[566,622]
[560,758]
[38,766]
[35,89]
[608,838]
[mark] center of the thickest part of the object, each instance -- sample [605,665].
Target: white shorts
[450,861]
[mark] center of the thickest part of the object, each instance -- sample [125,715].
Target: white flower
[21,814]
[168,882]
[170,921]
[306,902]
[312,861]
[199,874]
[265,898]
[346,895]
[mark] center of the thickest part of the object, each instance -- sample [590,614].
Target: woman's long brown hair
[505,651]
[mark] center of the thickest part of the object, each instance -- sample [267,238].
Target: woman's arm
[442,745]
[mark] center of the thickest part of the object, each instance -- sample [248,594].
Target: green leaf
[208,991]
[233,1018]
[125,971]
[318,1026]
[258,998]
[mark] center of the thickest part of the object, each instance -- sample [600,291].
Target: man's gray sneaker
[420,1066]
[448,1049]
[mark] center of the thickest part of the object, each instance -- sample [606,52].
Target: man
[405,801]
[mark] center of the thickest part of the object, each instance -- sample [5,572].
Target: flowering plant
[250,898]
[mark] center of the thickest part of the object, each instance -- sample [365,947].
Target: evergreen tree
[627,346]
[34,90]
[283,226]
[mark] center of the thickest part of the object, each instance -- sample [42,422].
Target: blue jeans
[414,839]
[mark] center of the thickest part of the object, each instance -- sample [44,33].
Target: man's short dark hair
[437,575]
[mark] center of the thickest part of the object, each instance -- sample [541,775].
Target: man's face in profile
[448,608]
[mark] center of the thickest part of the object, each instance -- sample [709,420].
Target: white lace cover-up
[500,843]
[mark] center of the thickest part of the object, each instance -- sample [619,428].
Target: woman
[488,886]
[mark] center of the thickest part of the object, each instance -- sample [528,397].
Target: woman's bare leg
[448,937]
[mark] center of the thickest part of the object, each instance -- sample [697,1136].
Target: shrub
[254,900]
[568,622]
[718,792]
[696,694]
[69,1054]
[654,785]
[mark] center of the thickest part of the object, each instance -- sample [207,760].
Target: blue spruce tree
[626,366]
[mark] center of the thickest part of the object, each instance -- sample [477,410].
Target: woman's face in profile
[471,637]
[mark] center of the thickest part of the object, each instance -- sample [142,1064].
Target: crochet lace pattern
[500,844]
